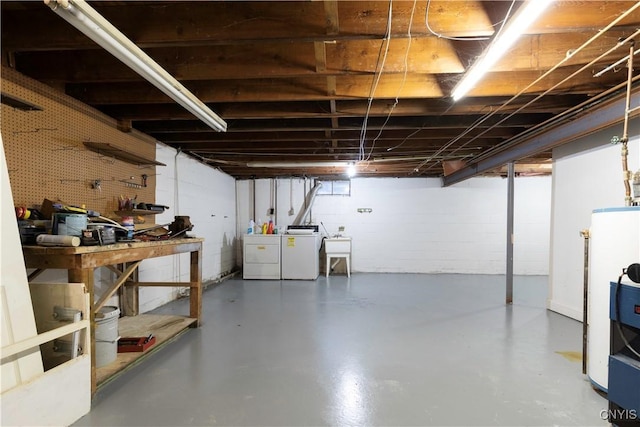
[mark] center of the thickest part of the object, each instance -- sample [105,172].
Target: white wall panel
[587,176]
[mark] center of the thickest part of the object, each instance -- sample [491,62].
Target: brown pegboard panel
[46,157]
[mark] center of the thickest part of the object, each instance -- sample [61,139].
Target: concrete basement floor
[372,350]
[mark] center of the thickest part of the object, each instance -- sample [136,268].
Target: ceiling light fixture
[351,170]
[297,164]
[525,16]
[82,16]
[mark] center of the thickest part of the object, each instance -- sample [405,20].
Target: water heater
[614,245]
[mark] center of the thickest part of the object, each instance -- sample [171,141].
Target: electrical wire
[374,84]
[387,38]
[415,132]
[538,97]
[540,78]
[473,38]
[404,80]
[503,22]
[440,150]
[177,271]
[176,192]
[111,223]
[480,119]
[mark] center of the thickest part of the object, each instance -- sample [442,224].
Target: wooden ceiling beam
[282,152]
[153,24]
[342,153]
[293,79]
[377,157]
[544,51]
[241,148]
[298,59]
[287,59]
[346,109]
[320,136]
[263,90]
[564,16]
[249,127]
[559,82]
[315,88]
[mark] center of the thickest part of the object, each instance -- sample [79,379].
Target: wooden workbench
[124,259]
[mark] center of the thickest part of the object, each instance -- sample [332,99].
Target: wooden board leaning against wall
[48,155]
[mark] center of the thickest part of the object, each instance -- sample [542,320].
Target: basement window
[335,188]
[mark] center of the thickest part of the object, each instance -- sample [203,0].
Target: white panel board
[58,397]
[18,322]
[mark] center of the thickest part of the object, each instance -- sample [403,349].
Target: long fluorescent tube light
[297,164]
[82,16]
[525,16]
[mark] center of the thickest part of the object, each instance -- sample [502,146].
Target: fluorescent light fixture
[296,164]
[82,16]
[525,16]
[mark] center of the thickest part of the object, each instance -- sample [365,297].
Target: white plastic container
[107,335]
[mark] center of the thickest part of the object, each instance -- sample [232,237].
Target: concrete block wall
[531,229]
[208,197]
[418,226]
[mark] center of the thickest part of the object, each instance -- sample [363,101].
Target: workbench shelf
[165,329]
[136,212]
[124,259]
[109,150]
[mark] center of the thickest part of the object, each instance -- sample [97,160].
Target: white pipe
[625,132]
[614,65]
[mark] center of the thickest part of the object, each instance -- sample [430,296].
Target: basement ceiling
[312,82]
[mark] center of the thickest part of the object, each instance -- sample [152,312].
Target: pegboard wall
[47,158]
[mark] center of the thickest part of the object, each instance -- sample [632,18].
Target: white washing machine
[301,256]
[261,256]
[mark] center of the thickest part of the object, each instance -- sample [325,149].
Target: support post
[510,198]
[585,300]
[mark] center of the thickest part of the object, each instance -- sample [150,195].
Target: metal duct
[309,203]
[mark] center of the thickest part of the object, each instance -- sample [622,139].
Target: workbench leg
[85,276]
[195,292]
[130,295]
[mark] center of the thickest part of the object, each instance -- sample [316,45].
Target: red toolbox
[135,344]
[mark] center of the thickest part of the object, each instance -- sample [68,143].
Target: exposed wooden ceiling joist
[322,80]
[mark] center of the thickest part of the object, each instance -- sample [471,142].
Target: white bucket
[107,335]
